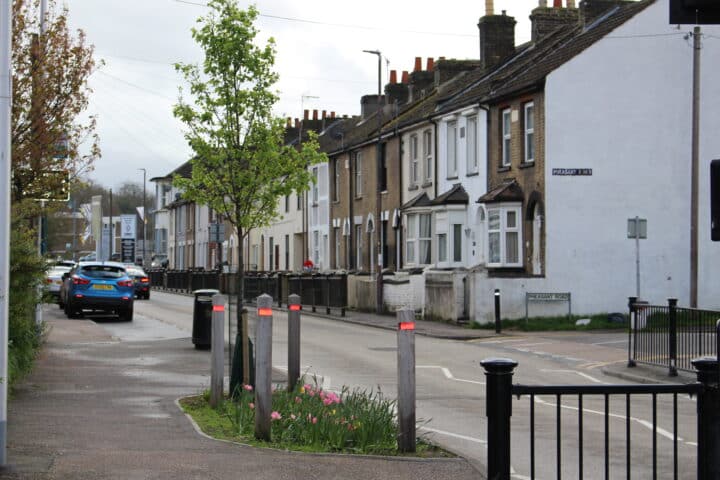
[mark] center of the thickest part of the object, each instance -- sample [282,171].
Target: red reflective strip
[218,308]
[406,326]
[295,308]
[264,312]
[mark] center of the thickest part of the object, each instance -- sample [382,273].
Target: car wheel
[126,314]
[71,311]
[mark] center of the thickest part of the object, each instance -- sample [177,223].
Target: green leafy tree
[241,165]
[49,96]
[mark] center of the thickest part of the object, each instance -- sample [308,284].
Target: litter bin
[202,318]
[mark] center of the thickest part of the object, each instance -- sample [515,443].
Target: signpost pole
[406,379]
[637,256]
[263,368]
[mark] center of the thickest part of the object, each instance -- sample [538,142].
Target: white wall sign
[127,223]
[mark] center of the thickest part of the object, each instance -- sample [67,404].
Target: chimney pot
[557,3]
[288,123]
[570,3]
[332,114]
[324,114]
[489,7]
[393,76]
[297,123]
[306,114]
[418,64]
[405,76]
[430,64]
[503,13]
[315,114]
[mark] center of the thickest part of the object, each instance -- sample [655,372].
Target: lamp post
[144,217]
[378,195]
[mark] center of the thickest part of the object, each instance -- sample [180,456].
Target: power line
[147,90]
[343,25]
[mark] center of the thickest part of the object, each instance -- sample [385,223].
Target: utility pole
[144,218]
[695,169]
[112,229]
[5,162]
[378,192]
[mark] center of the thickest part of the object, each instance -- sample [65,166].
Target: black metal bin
[202,318]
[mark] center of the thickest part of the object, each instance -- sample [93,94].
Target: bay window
[418,244]
[504,236]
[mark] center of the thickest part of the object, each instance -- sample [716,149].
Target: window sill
[314,204]
[454,177]
[358,197]
[427,184]
[527,164]
[472,174]
[503,169]
[413,187]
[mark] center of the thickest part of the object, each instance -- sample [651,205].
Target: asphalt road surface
[451,388]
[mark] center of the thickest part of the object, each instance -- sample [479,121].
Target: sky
[319,59]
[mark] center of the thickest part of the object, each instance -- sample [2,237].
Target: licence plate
[102,287]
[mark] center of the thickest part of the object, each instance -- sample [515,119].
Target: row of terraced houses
[518,172]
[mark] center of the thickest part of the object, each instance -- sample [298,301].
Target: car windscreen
[102,271]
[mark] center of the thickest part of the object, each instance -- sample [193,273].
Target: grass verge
[310,420]
[598,321]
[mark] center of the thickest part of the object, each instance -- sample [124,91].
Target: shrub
[27,270]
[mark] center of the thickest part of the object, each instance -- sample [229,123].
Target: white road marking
[455,435]
[502,341]
[533,344]
[662,432]
[448,374]
[582,374]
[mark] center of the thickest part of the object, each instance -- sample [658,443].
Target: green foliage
[26,273]
[241,165]
[598,321]
[311,419]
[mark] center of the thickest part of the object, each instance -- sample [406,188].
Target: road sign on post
[406,379]
[637,229]
[263,367]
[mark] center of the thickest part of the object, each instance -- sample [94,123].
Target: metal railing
[500,392]
[316,290]
[670,336]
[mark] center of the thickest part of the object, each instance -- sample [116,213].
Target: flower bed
[310,419]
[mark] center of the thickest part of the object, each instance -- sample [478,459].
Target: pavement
[98,408]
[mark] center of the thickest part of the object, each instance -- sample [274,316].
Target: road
[451,387]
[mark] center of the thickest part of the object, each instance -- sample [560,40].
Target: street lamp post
[378,195]
[144,217]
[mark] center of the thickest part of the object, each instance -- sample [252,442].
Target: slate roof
[529,67]
[420,200]
[455,196]
[508,191]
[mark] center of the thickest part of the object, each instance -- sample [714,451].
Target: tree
[50,92]
[241,165]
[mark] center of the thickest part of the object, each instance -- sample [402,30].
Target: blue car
[99,287]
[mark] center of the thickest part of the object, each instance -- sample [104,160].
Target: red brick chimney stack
[405,77]
[418,64]
[332,114]
[324,114]
[393,76]
[557,3]
[306,114]
[430,64]
[489,9]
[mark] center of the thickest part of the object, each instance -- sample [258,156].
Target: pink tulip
[314,420]
[247,388]
[251,405]
[275,416]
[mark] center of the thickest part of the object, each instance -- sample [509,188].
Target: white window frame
[471,144]
[358,246]
[428,155]
[410,238]
[414,161]
[502,231]
[442,247]
[316,247]
[457,234]
[358,174]
[506,128]
[451,149]
[529,132]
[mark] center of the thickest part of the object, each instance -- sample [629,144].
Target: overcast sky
[319,54]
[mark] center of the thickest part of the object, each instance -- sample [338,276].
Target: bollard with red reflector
[294,308]
[217,345]
[406,379]
[263,367]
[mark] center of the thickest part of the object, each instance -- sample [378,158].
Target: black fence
[500,392]
[670,336]
[328,291]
